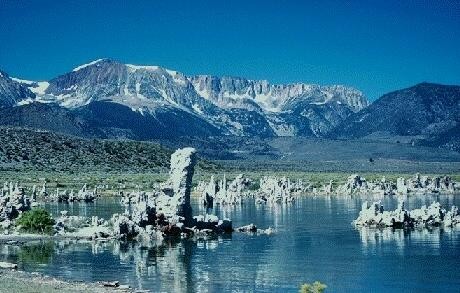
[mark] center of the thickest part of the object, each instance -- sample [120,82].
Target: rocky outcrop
[223,192]
[355,184]
[167,211]
[433,215]
[82,227]
[233,192]
[13,202]
[167,208]
[208,192]
[358,185]
[424,184]
[279,190]
[164,212]
[83,195]
[175,200]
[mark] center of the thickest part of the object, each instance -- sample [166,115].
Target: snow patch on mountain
[40,88]
[23,81]
[197,109]
[37,87]
[87,64]
[142,67]
[25,102]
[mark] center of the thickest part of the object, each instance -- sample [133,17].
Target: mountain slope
[48,117]
[12,92]
[25,149]
[116,120]
[447,139]
[425,109]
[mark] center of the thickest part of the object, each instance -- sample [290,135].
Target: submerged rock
[248,228]
[252,229]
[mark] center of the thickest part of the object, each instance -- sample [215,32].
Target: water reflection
[103,208]
[375,240]
[39,253]
[36,253]
[169,262]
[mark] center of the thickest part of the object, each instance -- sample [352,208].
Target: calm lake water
[314,241]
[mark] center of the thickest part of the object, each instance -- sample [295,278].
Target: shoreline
[24,238]
[32,282]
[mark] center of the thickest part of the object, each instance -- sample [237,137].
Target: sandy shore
[17,281]
[24,237]
[12,280]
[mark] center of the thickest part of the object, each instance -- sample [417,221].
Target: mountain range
[151,102]
[109,99]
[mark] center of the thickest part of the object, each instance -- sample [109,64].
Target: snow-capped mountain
[219,105]
[234,92]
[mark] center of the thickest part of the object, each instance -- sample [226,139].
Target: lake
[315,240]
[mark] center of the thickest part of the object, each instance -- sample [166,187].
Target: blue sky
[375,46]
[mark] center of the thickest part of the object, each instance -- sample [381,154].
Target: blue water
[314,241]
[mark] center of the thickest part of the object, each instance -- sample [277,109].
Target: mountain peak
[426,84]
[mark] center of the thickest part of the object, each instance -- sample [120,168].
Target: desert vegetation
[25,149]
[316,287]
[36,221]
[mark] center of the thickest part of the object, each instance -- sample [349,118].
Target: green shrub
[36,221]
[316,287]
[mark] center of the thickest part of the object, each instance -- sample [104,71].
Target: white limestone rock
[174,203]
[433,215]
[209,193]
[13,202]
[275,190]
